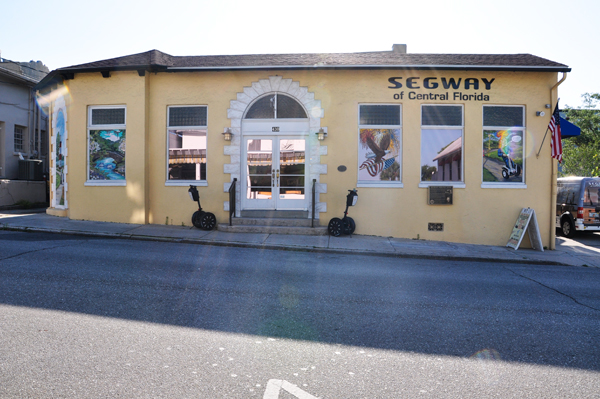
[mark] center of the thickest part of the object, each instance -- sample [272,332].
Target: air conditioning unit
[31,169]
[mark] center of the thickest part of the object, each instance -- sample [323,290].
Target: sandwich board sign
[526,221]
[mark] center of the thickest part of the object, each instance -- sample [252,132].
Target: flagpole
[545,134]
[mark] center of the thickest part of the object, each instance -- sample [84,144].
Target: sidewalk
[568,252]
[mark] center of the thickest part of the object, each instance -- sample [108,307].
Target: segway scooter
[346,224]
[200,219]
[510,167]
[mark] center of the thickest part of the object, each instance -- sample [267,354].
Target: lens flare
[44,100]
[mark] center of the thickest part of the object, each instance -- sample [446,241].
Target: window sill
[381,185]
[453,184]
[181,183]
[504,185]
[100,183]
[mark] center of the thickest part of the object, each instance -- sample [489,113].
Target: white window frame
[454,184]
[20,139]
[90,126]
[518,128]
[382,184]
[181,183]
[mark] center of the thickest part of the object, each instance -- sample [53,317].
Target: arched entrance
[275,154]
[275,131]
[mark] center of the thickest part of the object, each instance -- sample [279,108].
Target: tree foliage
[581,154]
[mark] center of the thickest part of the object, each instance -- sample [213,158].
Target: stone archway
[235,113]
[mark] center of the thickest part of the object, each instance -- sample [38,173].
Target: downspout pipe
[553,178]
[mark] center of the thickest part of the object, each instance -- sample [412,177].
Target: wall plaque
[439,195]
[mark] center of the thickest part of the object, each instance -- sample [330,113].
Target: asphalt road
[90,318]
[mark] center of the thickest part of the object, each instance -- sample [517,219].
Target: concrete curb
[284,247]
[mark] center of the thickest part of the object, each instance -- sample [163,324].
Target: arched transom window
[276,106]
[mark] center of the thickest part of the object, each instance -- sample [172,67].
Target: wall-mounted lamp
[321,134]
[548,106]
[227,135]
[540,113]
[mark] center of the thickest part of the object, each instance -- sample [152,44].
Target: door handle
[277,177]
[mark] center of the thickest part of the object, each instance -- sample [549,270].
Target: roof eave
[377,66]
[59,75]
[23,78]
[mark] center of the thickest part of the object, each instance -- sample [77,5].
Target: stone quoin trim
[276,84]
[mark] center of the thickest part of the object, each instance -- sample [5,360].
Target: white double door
[274,172]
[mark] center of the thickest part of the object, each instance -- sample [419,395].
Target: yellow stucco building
[439,146]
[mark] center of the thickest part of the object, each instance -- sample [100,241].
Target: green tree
[427,171]
[581,154]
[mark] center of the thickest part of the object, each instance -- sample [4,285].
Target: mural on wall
[503,156]
[59,153]
[379,155]
[107,154]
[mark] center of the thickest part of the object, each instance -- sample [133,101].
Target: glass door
[274,173]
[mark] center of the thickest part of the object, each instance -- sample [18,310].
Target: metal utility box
[31,169]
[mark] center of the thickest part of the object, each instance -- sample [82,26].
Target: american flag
[556,143]
[375,168]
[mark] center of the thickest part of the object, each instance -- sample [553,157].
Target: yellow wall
[115,204]
[478,215]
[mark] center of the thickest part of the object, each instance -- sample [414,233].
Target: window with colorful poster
[380,145]
[106,145]
[503,146]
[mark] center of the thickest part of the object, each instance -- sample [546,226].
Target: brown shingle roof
[155,60]
[372,59]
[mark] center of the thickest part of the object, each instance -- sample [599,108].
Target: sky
[62,33]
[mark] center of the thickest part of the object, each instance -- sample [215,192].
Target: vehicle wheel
[519,170]
[335,227]
[568,227]
[349,225]
[196,219]
[505,174]
[208,221]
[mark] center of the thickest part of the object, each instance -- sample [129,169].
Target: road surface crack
[553,289]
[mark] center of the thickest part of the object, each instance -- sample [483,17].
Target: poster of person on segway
[503,156]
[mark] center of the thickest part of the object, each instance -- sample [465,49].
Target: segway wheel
[349,225]
[335,227]
[505,174]
[196,219]
[519,170]
[208,221]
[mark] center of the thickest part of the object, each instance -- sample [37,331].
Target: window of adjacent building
[379,145]
[106,145]
[442,128]
[186,141]
[19,139]
[503,145]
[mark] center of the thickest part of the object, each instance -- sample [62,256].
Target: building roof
[25,80]
[157,61]
[453,147]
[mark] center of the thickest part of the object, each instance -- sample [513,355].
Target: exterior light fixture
[227,135]
[321,134]
[540,113]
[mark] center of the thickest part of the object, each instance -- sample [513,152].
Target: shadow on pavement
[423,306]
